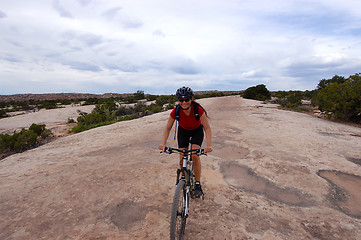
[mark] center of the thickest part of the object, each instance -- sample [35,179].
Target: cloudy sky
[100,46]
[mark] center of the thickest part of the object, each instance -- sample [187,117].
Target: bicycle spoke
[178,217]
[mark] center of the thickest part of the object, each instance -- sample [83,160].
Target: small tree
[259,92]
[341,100]
[335,79]
[3,113]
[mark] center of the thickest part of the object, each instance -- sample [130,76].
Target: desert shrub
[259,92]
[165,99]
[91,101]
[335,79]
[151,97]
[102,114]
[128,117]
[341,100]
[140,108]
[122,111]
[3,113]
[48,104]
[108,112]
[37,128]
[210,95]
[4,142]
[154,108]
[290,99]
[25,139]
[71,120]
[78,128]
[139,95]
[46,134]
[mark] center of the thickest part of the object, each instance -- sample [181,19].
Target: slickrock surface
[273,174]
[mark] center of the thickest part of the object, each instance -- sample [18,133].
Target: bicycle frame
[184,188]
[187,171]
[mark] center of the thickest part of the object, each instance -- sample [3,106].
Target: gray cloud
[11,57]
[14,42]
[111,13]
[71,38]
[158,33]
[125,21]
[317,69]
[210,45]
[2,14]
[61,10]
[90,39]
[131,23]
[83,66]
[84,2]
[185,66]
[123,67]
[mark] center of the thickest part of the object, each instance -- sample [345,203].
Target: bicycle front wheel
[178,216]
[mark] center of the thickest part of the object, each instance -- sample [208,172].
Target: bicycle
[184,190]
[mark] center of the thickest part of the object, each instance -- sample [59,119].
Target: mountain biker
[189,126]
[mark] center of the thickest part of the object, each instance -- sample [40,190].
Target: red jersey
[188,122]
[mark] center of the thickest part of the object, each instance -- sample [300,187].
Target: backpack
[195,109]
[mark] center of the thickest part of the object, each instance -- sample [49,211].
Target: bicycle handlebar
[170,150]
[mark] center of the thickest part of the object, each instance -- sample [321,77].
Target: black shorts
[184,136]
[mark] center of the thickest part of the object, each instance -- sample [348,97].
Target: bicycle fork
[186,202]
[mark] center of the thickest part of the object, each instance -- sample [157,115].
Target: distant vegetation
[24,140]
[111,111]
[337,98]
[34,105]
[259,92]
[340,98]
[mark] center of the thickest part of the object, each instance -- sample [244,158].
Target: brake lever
[168,150]
[200,152]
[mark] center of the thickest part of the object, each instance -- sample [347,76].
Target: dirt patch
[127,215]
[332,134]
[324,230]
[242,177]
[232,152]
[354,160]
[345,192]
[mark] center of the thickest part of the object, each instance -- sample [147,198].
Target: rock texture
[273,174]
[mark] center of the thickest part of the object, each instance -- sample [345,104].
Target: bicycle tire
[178,218]
[192,181]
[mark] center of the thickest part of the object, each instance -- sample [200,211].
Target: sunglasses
[184,100]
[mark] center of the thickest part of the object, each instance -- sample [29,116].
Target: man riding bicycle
[192,119]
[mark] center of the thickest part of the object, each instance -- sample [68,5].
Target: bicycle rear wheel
[178,217]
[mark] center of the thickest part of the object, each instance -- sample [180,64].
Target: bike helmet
[184,92]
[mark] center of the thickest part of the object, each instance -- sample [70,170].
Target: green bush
[38,129]
[325,82]
[3,113]
[341,100]
[70,120]
[121,111]
[107,112]
[151,97]
[166,99]
[210,95]
[290,99]
[24,139]
[48,104]
[154,108]
[259,92]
